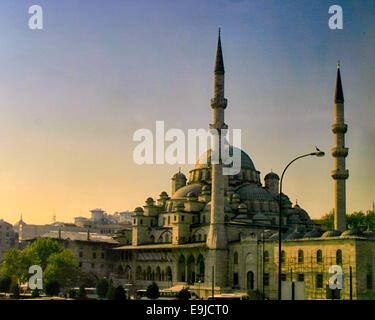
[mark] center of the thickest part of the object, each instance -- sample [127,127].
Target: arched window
[235,258]
[266,256]
[300,256]
[339,257]
[169,274]
[319,256]
[200,268]
[138,274]
[152,239]
[149,274]
[199,237]
[283,256]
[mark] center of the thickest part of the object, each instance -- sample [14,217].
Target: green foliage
[5,283]
[120,293]
[35,293]
[63,268]
[52,288]
[111,292]
[152,291]
[184,294]
[42,248]
[15,290]
[356,220]
[102,287]
[81,293]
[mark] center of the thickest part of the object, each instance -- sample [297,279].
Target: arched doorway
[169,274]
[128,273]
[250,280]
[191,270]
[181,277]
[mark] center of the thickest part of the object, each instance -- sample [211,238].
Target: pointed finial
[339,95]
[219,63]
[338,64]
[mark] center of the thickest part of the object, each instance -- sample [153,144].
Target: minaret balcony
[219,102]
[339,152]
[339,128]
[340,174]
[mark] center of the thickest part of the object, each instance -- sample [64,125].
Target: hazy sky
[72,95]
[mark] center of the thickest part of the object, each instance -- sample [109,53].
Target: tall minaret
[339,152]
[217,239]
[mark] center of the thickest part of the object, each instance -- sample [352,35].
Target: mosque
[217,233]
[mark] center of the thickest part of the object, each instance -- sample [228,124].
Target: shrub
[52,288]
[152,291]
[111,292]
[15,290]
[184,294]
[35,293]
[102,287]
[81,293]
[120,293]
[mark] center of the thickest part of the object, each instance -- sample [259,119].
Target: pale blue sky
[72,95]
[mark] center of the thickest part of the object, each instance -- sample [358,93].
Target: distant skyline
[72,95]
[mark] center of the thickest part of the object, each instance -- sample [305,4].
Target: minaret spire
[219,62]
[339,95]
[339,153]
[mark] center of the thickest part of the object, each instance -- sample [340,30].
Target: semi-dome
[183,192]
[204,160]
[254,192]
[331,233]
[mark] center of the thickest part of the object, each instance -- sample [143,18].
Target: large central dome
[204,160]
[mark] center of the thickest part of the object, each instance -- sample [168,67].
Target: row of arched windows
[301,258]
[150,274]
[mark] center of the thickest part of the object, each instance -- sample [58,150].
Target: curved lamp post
[318,153]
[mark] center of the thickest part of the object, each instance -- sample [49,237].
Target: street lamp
[317,153]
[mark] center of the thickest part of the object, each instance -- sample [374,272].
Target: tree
[102,287]
[81,293]
[111,292]
[184,294]
[5,283]
[120,293]
[52,288]
[152,291]
[16,263]
[63,268]
[72,293]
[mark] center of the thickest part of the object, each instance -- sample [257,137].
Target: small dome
[163,194]
[227,207]
[271,175]
[331,233]
[314,233]
[179,175]
[149,201]
[138,211]
[351,233]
